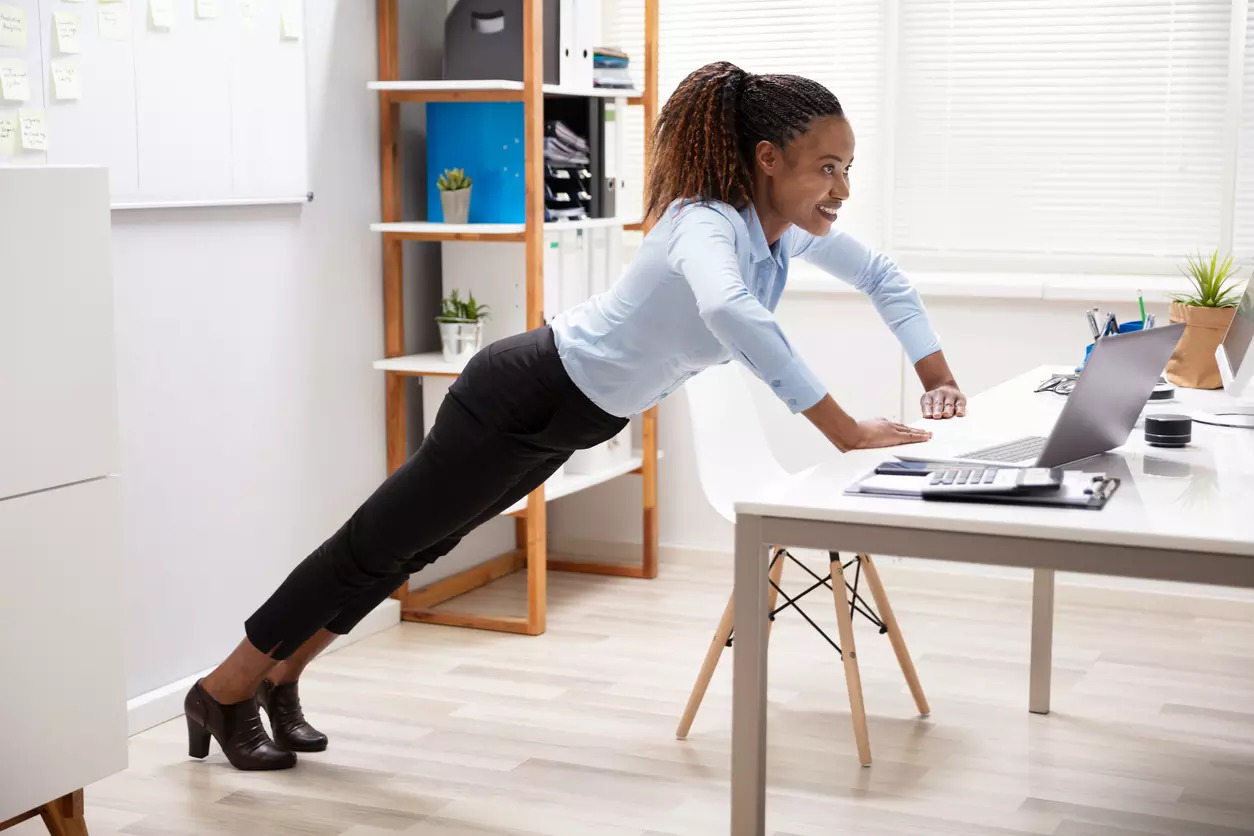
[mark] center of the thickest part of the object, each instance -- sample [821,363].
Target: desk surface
[1199,498]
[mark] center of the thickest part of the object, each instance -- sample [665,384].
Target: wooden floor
[443,731]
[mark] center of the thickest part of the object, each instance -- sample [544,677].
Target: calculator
[964,480]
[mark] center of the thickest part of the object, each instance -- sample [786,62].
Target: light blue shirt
[701,291]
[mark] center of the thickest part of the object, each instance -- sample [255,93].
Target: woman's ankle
[223,691]
[283,674]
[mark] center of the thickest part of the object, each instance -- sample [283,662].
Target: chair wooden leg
[715,652]
[894,632]
[853,680]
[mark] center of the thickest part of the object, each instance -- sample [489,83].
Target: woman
[749,172]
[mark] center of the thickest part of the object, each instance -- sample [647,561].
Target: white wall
[252,423]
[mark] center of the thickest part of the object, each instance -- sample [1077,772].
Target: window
[1098,135]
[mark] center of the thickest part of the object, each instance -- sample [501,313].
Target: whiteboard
[209,110]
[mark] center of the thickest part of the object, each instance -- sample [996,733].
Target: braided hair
[706,135]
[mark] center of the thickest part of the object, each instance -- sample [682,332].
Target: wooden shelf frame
[530,551]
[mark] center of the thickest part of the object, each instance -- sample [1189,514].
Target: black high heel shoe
[238,730]
[287,720]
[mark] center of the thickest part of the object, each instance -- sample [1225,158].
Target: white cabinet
[57,401]
[62,673]
[63,699]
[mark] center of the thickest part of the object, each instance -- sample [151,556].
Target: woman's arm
[702,248]
[898,304]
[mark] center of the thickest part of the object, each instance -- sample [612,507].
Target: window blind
[839,43]
[1060,127]
[1243,224]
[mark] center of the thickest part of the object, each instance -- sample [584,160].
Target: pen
[1112,324]
[1140,298]
[1092,324]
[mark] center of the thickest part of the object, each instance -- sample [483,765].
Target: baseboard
[165,703]
[1179,598]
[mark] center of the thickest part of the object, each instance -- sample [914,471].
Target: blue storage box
[485,139]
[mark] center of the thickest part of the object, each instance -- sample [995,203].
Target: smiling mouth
[828,212]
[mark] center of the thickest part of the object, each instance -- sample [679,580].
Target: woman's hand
[945,401]
[880,432]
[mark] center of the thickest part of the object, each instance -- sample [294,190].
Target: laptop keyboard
[1021,449]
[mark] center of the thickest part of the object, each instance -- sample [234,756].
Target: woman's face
[806,182]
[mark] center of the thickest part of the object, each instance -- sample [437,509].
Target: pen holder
[1124,328]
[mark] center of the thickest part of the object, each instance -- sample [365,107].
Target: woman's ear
[767,156]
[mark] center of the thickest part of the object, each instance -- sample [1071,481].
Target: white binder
[568,71]
[587,38]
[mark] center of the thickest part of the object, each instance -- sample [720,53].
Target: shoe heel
[197,740]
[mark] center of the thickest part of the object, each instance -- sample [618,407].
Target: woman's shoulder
[690,212]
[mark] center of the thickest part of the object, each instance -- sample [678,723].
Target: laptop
[1100,412]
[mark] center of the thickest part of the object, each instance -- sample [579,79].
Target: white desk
[1181,515]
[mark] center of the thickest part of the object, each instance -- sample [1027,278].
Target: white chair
[734,462]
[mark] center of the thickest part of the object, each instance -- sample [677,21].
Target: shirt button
[775,383]
[792,401]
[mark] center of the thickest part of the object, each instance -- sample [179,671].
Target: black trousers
[507,423]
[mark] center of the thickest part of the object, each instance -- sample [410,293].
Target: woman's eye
[829,169]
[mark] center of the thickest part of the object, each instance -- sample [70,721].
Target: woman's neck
[773,224]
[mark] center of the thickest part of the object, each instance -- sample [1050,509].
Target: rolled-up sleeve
[876,275]
[702,249]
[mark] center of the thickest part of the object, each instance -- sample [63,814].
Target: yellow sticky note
[9,136]
[207,8]
[13,27]
[14,80]
[293,20]
[114,23]
[67,82]
[68,25]
[34,127]
[161,13]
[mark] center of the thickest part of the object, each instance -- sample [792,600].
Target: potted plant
[461,327]
[1206,313]
[454,188]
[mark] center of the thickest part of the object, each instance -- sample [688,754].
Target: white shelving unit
[496,86]
[423,228]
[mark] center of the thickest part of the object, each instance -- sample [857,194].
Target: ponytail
[706,134]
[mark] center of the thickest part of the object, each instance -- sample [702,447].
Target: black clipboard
[1079,490]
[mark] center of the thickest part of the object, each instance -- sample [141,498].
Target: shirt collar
[759,249]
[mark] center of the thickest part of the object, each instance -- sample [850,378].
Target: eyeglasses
[1060,384]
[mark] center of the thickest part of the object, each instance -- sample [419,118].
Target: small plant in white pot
[461,327]
[454,188]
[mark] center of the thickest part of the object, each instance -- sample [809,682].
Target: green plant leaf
[1213,282]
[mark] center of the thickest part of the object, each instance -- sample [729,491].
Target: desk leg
[1042,639]
[748,766]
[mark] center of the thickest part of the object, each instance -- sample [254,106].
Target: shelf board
[487,90]
[431,364]
[566,484]
[426,231]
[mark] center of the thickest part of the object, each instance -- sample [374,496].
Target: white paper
[114,23]
[207,8]
[10,137]
[67,82]
[14,80]
[13,27]
[102,2]
[248,8]
[161,13]
[293,20]
[34,127]
[69,25]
